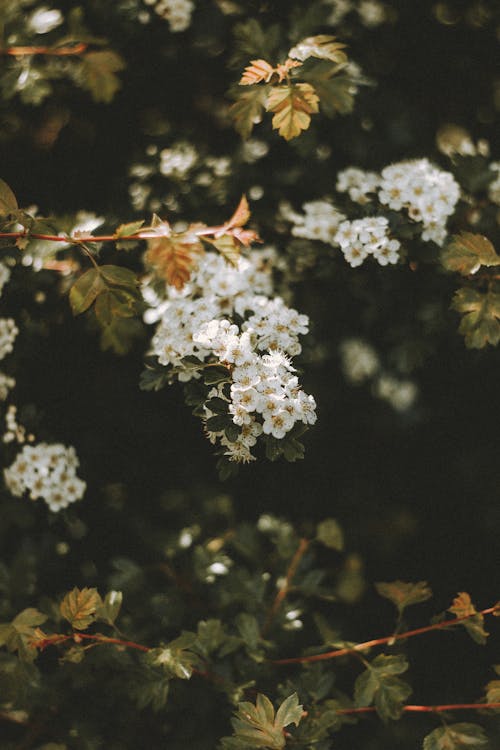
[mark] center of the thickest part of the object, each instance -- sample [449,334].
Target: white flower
[43,20]
[359,360]
[48,471]
[8,333]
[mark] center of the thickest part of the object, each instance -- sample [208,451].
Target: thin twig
[75,49]
[282,593]
[382,641]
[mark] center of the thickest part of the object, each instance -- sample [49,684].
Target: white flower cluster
[428,193]
[360,364]
[48,471]
[8,333]
[264,395]
[6,385]
[176,12]
[359,360]
[178,160]
[494,187]
[320,220]
[400,394]
[371,12]
[363,237]
[357,183]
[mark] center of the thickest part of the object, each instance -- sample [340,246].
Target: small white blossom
[48,471]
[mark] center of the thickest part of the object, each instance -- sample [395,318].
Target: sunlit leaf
[79,607]
[467,252]
[323,46]
[257,71]
[480,324]
[292,106]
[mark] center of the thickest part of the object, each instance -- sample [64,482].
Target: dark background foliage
[417,493]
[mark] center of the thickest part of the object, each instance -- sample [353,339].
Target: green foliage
[403,594]
[380,686]
[456,737]
[99,74]
[17,636]
[467,252]
[480,324]
[260,725]
[330,534]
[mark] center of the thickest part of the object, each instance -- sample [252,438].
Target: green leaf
[460,736]
[121,335]
[474,624]
[119,276]
[98,72]
[79,607]
[218,423]
[247,109]
[329,533]
[335,89]
[125,230]
[111,605]
[18,634]
[8,201]
[403,594]
[379,685]
[467,252]
[290,711]
[85,290]
[228,247]
[258,725]
[480,324]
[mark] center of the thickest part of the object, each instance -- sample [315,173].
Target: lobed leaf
[79,607]
[247,109]
[462,736]
[292,106]
[257,71]
[323,46]
[467,252]
[463,607]
[480,324]
[403,594]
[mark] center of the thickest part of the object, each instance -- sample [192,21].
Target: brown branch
[75,49]
[282,593]
[382,641]
[425,709]
[144,235]
[54,640]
